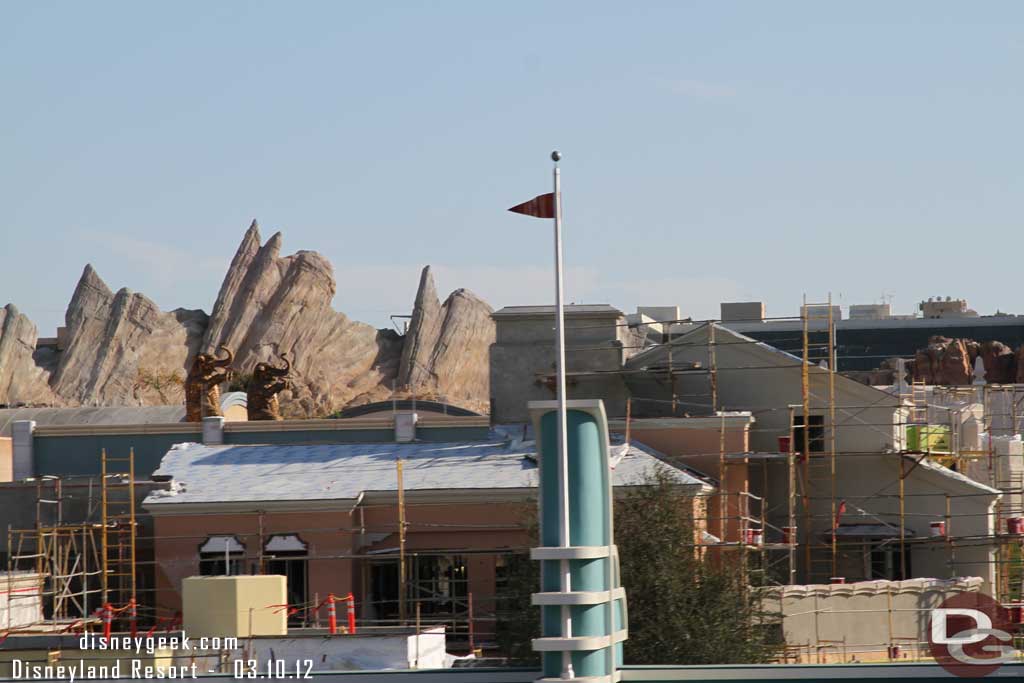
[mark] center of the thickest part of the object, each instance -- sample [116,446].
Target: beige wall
[6,459]
[698,442]
[748,378]
[867,476]
[695,442]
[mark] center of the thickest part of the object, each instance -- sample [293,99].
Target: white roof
[307,472]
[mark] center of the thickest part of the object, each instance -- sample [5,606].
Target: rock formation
[460,360]
[116,340]
[1000,362]
[447,346]
[122,349]
[944,361]
[269,304]
[951,361]
[956,365]
[422,335]
[21,380]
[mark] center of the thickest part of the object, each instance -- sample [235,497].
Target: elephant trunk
[227,360]
[282,372]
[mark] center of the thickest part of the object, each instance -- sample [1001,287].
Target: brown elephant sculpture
[266,382]
[202,386]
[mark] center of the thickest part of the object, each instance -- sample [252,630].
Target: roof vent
[405,427]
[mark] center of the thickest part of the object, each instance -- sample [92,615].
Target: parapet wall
[863,618]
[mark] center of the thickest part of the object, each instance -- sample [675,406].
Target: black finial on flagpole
[556,156]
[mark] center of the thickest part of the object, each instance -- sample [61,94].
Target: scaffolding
[819,471]
[65,557]
[118,529]
[1000,402]
[742,515]
[809,448]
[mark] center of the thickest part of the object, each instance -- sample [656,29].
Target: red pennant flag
[541,206]
[839,513]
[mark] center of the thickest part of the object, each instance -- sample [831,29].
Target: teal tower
[583,606]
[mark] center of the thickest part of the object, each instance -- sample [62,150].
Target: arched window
[221,555]
[286,554]
[285,543]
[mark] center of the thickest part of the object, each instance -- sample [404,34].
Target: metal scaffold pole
[805,446]
[132,521]
[832,369]
[791,466]
[713,364]
[903,528]
[402,568]
[104,526]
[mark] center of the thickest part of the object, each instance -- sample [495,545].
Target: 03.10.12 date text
[277,668]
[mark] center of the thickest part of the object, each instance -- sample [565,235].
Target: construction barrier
[351,607]
[332,615]
[133,616]
[108,619]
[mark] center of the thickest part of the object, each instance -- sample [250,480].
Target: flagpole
[563,441]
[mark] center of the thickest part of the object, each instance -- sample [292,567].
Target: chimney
[23,456]
[213,430]
[405,427]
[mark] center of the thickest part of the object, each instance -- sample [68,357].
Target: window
[384,588]
[439,583]
[220,555]
[502,571]
[285,554]
[885,562]
[815,435]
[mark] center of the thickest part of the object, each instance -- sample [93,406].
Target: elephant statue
[266,381]
[202,386]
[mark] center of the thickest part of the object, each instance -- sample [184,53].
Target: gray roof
[239,474]
[872,530]
[927,465]
[570,310]
[657,357]
[659,354]
[104,415]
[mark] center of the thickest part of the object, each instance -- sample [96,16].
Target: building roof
[570,310]
[657,358]
[700,336]
[245,474]
[947,477]
[105,415]
[876,530]
[389,407]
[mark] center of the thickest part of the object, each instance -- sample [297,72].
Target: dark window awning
[871,531]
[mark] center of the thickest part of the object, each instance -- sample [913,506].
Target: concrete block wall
[524,353]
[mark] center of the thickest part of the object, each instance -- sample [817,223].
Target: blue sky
[713,150]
